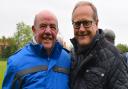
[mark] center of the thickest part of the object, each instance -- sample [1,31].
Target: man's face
[45,31]
[84,25]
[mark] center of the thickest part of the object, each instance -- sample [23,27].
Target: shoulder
[107,53]
[107,48]
[65,55]
[16,58]
[17,51]
[21,50]
[66,50]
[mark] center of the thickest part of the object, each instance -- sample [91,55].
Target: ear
[97,22]
[33,29]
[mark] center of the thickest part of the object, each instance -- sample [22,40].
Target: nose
[81,27]
[48,30]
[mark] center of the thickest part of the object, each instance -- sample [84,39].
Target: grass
[2,70]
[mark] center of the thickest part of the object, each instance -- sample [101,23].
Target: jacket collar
[39,50]
[84,49]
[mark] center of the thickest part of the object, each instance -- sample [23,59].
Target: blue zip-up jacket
[32,56]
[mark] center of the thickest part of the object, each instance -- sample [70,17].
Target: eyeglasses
[85,23]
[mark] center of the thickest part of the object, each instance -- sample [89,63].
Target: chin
[84,43]
[48,46]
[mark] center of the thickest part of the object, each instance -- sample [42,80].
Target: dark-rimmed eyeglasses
[85,23]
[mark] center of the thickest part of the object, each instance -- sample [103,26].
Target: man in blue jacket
[42,63]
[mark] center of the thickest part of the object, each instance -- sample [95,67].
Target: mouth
[83,34]
[47,37]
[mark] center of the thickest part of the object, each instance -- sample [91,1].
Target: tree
[8,47]
[122,47]
[4,41]
[3,46]
[23,34]
[12,46]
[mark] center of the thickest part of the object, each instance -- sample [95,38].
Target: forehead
[83,12]
[46,18]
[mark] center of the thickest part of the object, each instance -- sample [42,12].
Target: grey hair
[82,3]
[109,35]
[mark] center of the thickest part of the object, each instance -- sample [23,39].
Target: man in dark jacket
[97,63]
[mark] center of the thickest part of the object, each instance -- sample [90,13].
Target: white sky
[113,14]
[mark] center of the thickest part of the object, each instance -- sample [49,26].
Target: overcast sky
[113,14]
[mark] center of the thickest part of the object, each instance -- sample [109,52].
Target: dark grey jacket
[98,66]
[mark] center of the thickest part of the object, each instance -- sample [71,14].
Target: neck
[48,51]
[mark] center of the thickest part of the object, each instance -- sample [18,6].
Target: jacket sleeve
[119,76]
[9,76]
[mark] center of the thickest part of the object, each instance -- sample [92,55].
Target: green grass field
[2,70]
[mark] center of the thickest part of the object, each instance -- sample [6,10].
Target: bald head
[45,29]
[45,15]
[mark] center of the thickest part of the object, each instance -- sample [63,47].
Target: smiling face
[84,25]
[45,29]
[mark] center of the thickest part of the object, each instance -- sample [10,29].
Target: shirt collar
[34,40]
